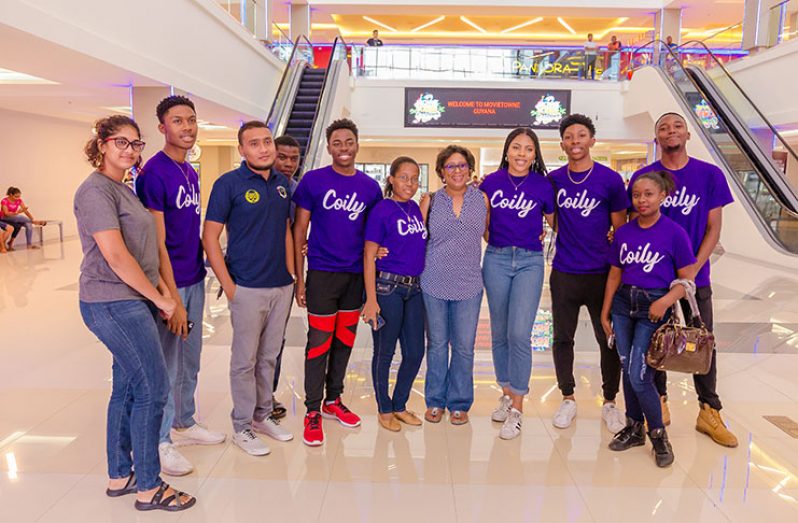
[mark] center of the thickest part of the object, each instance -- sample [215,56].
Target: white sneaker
[613,418]
[250,443]
[565,414]
[271,427]
[512,425]
[196,434]
[501,412]
[173,463]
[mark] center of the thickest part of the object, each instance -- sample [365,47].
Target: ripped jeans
[633,331]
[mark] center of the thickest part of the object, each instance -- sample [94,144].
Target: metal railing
[280,44]
[482,62]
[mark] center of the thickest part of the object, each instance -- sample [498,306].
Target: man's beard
[671,149]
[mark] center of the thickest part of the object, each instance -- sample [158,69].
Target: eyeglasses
[453,167]
[124,143]
[405,179]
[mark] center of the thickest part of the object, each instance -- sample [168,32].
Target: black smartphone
[380,323]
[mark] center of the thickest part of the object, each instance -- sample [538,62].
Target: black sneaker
[278,410]
[663,452]
[632,435]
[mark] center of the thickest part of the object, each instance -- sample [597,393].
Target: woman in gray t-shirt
[121,297]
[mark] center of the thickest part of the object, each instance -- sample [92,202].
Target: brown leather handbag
[682,348]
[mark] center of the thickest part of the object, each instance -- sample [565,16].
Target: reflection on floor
[54,384]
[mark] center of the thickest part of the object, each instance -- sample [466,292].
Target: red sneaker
[339,411]
[314,435]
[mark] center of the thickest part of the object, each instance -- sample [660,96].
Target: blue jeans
[402,308]
[140,386]
[450,384]
[18,221]
[633,331]
[513,282]
[183,363]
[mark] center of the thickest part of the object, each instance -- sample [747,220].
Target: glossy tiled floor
[54,383]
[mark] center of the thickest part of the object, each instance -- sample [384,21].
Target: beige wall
[44,158]
[214,162]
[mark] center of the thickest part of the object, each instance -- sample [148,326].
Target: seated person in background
[374,41]
[14,212]
[5,235]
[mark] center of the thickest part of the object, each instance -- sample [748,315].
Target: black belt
[398,278]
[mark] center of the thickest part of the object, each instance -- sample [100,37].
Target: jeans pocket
[385,288]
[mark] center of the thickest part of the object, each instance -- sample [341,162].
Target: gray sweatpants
[259,319]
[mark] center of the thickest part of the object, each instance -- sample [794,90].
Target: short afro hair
[577,119]
[172,101]
[343,123]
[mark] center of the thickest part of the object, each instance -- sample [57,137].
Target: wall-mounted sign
[486,108]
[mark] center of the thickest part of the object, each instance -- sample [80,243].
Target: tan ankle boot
[710,423]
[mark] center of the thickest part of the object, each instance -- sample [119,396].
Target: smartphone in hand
[378,325]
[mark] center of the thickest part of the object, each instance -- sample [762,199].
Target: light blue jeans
[18,221]
[450,383]
[183,363]
[513,282]
[138,395]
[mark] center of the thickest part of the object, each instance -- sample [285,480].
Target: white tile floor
[54,384]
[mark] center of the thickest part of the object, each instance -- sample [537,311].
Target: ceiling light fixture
[377,22]
[424,26]
[519,26]
[565,25]
[472,24]
[9,77]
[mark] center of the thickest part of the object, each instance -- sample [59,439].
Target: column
[761,24]
[667,22]
[299,19]
[263,19]
[145,100]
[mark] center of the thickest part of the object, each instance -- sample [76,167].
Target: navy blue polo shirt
[254,212]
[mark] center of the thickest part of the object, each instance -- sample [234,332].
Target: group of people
[14,215]
[411,271]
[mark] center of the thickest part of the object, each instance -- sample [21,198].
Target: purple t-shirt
[583,217]
[173,189]
[400,227]
[649,258]
[338,205]
[517,206]
[700,187]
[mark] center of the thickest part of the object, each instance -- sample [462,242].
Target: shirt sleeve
[619,198]
[303,195]
[720,194]
[219,203]
[375,226]
[682,249]
[96,210]
[151,191]
[548,197]
[614,257]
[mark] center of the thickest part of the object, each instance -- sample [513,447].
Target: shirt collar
[247,173]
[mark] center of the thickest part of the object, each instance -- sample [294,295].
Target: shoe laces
[625,432]
[248,435]
[271,419]
[341,406]
[314,421]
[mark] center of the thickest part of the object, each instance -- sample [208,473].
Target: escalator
[304,102]
[741,137]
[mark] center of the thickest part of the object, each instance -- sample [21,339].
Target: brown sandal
[158,502]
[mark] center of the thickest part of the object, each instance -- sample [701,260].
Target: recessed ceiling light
[9,77]
[472,24]
[424,26]
[565,25]
[377,22]
[519,26]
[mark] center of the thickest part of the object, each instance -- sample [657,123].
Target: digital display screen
[486,108]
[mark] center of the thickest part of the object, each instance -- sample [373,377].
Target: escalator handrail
[330,63]
[284,78]
[754,154]
[765,179]
[745,95]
